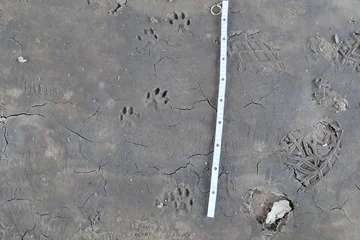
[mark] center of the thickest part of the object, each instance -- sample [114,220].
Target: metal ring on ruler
[216,9]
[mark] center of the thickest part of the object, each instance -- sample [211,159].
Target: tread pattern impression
[349,52]
[256,56]
[313,151]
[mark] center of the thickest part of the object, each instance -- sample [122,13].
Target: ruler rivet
[219,122]
[213,192]
[215,168]
[217,145]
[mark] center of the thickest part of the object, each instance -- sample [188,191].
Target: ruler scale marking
[220,110]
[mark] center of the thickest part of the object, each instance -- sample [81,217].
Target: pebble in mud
[21,59]
[153,20]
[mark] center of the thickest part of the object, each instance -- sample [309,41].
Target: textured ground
[108,126]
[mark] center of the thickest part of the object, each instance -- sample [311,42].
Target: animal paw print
[145,40]
[181,21]
[180,200]
[157,98]
[128,115]
[149,34]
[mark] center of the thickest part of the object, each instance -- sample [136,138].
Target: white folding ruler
[220,106]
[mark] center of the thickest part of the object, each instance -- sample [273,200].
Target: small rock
[153,20]
[278,211]
[336,39]
[21,59]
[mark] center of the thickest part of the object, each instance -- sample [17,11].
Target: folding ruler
[224,8]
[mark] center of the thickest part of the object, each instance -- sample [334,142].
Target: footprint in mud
[128,116]
[180,21]
[256,56]
[325,95]
[157,98]
[179,200]
[349,52]
[344,52]
[146,39]
[148,34]
[312,151]
[321,47]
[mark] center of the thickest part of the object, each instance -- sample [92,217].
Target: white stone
[278,211]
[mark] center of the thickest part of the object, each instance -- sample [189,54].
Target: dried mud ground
[107,120]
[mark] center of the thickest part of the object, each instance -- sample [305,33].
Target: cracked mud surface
[107,115]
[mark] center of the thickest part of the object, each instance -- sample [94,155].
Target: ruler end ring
[216,9]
